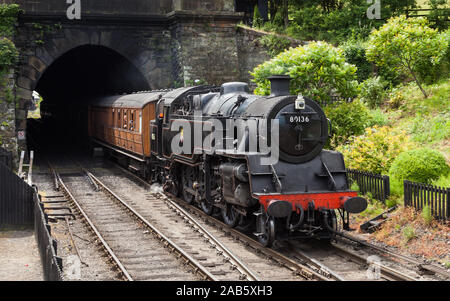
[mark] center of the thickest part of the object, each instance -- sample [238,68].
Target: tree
[404,44]
[318,70]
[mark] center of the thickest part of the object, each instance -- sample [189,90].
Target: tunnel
[88,71]
[76,77]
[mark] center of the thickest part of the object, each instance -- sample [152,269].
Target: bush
[274,44]
[421,165]
[404,44]
[443,181]
[373,91]
[355,53]
[318,70]
[8,54]
[375,151]
[347,119]
[8,17]
[431,73]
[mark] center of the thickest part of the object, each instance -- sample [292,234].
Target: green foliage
[373,91]
[375,151]
[421,165]
[8,54]
[347,119]
[336,21]
[439,14]
[430,73]
[391,202]
[257,18]
[426,214]
[377,117]
[318,69]
[8,51]
[404,44]
[354,186]
[274,44]
[408,233]
[374,208]
[443,181]
[355,53]
[8,18]
[426,130]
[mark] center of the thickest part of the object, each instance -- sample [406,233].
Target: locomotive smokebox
[280,85]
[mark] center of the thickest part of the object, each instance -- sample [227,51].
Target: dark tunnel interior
[88,71]
[75,77]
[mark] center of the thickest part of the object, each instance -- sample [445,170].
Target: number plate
[299,119]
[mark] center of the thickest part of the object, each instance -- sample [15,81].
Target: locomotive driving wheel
[265,226]
[207,207]
[187,182]
[230,215]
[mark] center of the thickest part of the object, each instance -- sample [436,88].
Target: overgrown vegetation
[407,45]
[318,70]
[8,51]
[398,124]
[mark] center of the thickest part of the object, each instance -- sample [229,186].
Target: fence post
[387,186]
[405,193]
[448,203]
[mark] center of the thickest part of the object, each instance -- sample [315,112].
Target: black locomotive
[258,161]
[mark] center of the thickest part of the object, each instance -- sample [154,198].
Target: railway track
[267,264]
[414,264]
[134,246]
[333,262]
[345,265]
[350,265]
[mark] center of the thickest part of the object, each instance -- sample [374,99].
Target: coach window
[125,119]
[119,118]
[132,120]
[113,115]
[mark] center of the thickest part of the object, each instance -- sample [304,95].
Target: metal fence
[418,195]
[16,199]
[51,263]
[377,185]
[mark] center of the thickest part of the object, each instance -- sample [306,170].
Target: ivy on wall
[8,51]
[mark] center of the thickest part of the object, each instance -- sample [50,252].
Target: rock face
[169,43]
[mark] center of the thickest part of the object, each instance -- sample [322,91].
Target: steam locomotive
[255,161]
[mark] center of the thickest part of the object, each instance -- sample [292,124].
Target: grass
[425,120]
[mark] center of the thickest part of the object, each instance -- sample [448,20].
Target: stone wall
[200,40]
[96,7]
[206,51]
[251,53]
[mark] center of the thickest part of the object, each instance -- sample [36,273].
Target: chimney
[280,85]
